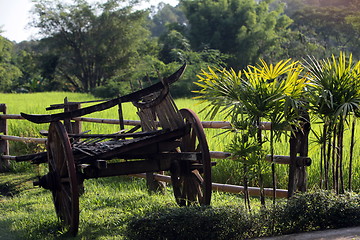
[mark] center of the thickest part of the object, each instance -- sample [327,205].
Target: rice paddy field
[226,171]
[108,203]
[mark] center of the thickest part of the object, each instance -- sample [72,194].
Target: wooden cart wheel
[191,180]
[64,180]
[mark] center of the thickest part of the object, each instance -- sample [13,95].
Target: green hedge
[303,212]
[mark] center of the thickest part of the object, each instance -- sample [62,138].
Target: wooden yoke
[158,110]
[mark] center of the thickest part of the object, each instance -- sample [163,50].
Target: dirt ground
[332,234]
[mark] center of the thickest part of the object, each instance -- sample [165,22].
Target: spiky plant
[335,97]
[255,94]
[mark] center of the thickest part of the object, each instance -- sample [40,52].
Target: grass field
[105,208]
[226,171]
[108,203]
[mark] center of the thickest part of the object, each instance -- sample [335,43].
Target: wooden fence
[297,159]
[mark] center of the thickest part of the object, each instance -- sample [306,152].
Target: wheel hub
[49,181]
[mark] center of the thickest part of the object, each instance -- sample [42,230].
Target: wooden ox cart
[170,140]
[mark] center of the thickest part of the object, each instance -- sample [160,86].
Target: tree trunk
[273,170]
[340,156]
[261,181]
[352,144]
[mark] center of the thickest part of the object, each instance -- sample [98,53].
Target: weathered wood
[206,124]
[298,145]
[61,105]
[8,157]
[219,155]
[36,158]
[300,161]
[72,127]
[23,139]
[117,135]
[141,143]
[253,191]
[121,116]
[11,116]
[129,167]
[158,110]
[4,144]
[46,118]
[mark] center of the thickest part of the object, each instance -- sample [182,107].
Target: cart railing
[297,164]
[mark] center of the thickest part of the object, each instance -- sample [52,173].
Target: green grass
[108,203]
[105,207]
[226,171]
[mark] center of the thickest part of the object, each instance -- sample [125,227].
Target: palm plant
[335,97]
[256,94]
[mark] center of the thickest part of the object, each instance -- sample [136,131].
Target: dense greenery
[90,43]
[246,30]
[304,212]
[284,94]
[110,48]
[8,70]
[121,208]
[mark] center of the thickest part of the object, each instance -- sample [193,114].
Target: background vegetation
[111,48]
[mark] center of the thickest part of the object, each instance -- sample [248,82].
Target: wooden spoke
[192,186]
[65,186]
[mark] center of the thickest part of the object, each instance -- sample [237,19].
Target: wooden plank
[117,135]
[23,139]
[219,155]
[146,141]
[280,159]
[129,167]
[35,158]
[253,191]
[11,116]
[8,157]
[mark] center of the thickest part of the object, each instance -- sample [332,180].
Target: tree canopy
[245,29]
[91,42]
[8,70]
[102,47]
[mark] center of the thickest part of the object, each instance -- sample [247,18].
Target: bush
[303,212]
[111,90]
[192,223]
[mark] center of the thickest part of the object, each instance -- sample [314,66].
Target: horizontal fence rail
[206,124]
[253,191]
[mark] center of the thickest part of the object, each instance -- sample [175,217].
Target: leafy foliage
[265,92]
[335,99]
[304,212]
[244,29]
[8,70]
[92,43]
[330,25]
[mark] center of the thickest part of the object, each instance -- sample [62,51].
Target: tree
[265,92]
[244,29]
[327,24]
[8,70]
[166,14]
[92,43]
[335,98]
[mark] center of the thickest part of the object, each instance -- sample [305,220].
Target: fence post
[4,144]
[72,127]
[299,144]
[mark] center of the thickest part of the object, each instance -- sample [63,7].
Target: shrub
[111,90]
[192,223]
[303,212]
